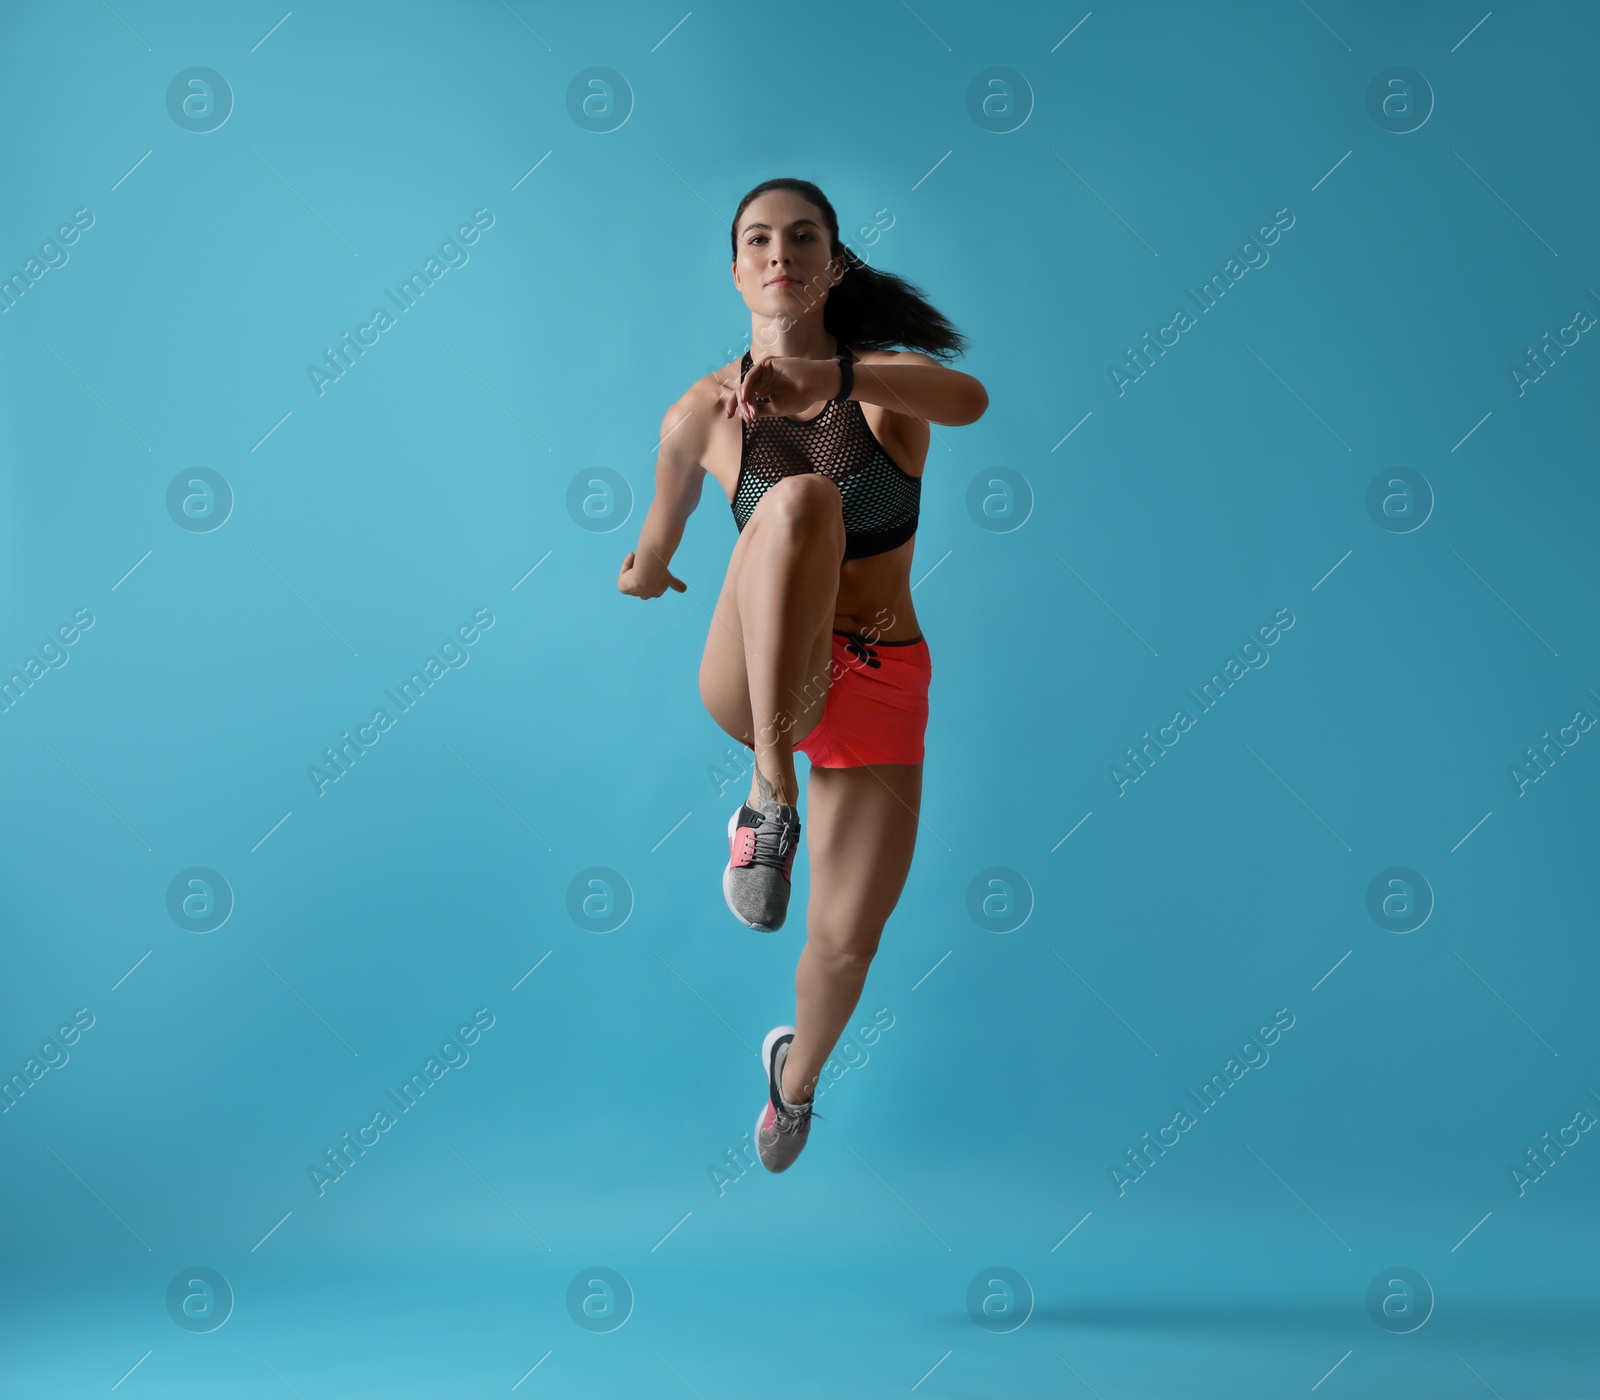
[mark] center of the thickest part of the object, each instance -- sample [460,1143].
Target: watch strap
[847,375]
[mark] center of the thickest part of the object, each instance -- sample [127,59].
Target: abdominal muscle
[875,596]
[875,592]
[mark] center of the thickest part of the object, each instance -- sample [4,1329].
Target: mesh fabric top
[881,501]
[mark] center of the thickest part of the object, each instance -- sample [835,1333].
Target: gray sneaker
[782,1128]
[761,850]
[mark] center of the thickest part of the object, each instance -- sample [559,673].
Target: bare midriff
[875,596]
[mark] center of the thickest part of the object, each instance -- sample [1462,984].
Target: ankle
[782,788]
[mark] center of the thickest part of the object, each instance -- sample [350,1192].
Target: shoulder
[687,423]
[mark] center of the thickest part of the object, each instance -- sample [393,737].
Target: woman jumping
[814,646]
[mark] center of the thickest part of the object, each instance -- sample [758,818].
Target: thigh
[724,676]
[860,831]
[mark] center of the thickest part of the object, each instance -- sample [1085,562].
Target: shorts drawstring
[856,644]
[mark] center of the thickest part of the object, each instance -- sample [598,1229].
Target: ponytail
[866,308]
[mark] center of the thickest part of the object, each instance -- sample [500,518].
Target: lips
[784,282]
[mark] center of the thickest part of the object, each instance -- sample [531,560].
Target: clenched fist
[639,582]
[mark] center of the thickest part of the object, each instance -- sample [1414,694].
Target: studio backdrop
[372,1022]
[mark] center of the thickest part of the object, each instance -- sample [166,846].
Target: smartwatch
[847,376]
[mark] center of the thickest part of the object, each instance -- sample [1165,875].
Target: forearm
[931,392]
[659,536]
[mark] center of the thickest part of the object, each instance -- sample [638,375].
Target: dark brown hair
[867,308]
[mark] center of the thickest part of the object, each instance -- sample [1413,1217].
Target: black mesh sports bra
[881,502]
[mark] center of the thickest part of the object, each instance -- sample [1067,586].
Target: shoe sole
[727,878]
[773,1036]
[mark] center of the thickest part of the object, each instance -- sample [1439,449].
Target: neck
[805,339]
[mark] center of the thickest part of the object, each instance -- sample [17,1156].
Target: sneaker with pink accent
[761,849]
[783,1127]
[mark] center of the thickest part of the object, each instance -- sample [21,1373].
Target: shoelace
[788,1122]
[857,646]
[771,840]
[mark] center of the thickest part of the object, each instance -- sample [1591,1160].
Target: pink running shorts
[877,706]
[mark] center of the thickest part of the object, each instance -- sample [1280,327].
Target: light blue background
[1176,519]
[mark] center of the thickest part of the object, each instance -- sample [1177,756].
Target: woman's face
[784,263]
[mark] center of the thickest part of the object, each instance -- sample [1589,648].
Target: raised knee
[808,503]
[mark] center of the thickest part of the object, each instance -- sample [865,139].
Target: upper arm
[679,470]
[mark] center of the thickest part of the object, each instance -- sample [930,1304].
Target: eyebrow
[796,224]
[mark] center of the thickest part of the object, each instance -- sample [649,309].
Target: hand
[783,384]
[646,583]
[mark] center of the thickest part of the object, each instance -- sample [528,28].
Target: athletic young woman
[818,443]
